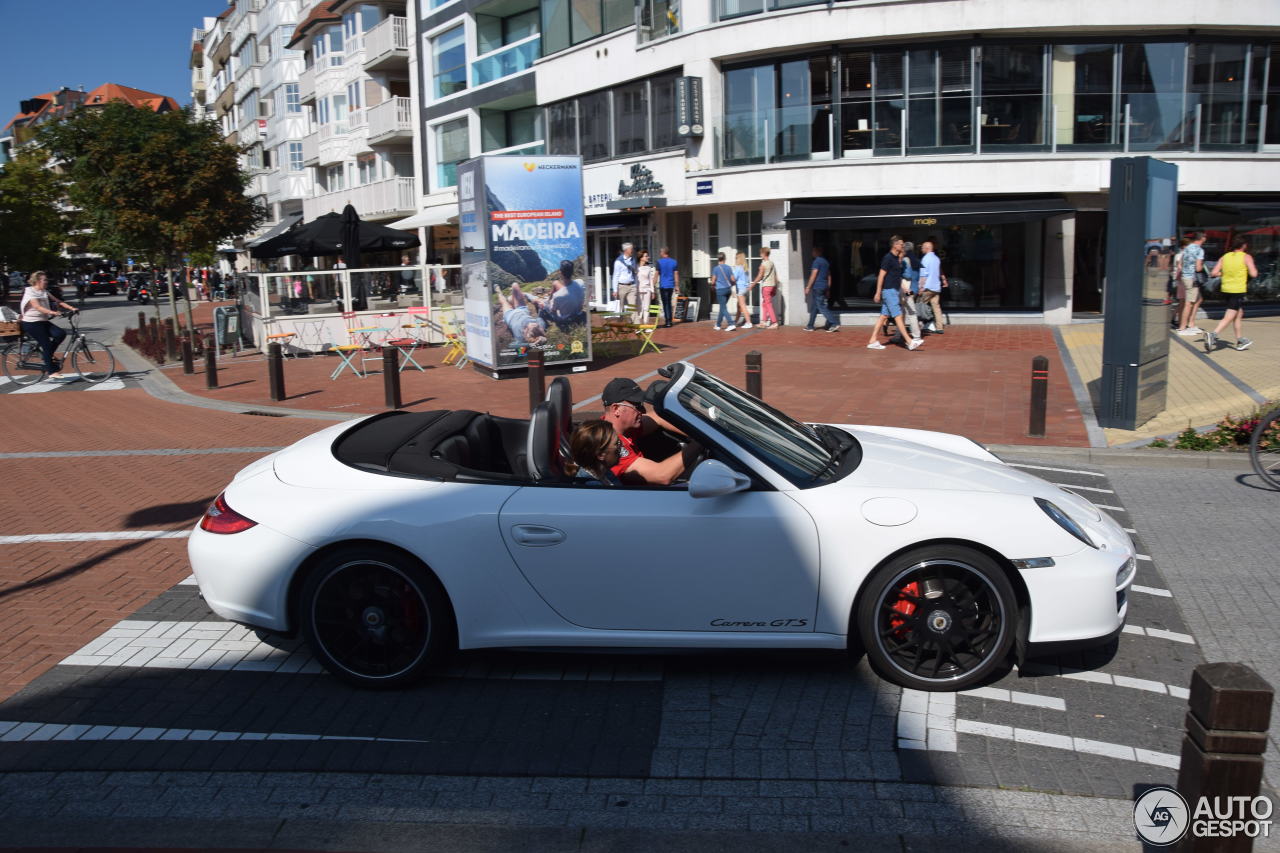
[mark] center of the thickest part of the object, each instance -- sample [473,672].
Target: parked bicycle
[23,363]
[1264,448]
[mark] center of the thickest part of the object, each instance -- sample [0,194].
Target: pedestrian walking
[931,283]
[668,282]
[723,279]
[1236,268]
[646,278]
[910,283]
[742,283]
[889,289]
[817,289]
[624,277]
[767,277]
[1193,276]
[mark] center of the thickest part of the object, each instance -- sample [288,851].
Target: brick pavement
[974,380]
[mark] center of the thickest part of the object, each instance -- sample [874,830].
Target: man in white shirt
[624,277]
[931,283]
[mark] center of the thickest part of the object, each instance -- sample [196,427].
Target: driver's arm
[651,422]
[664,473]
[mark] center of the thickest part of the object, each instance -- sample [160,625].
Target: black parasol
[323,236]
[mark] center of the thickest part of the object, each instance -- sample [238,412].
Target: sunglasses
[639,409]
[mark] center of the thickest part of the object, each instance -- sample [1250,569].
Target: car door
[657,559]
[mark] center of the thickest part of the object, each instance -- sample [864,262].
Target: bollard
[1230,709]
[1039,395]
[275,371]
[142,325]
[188,357]
[154,335]
[170,342]
[755,377]
[391,376]
[210,363]
[537,379]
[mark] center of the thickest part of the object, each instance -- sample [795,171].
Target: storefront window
[985,265]
[562,128]
[749,98]
[1011,113]
[1083,101]
[939,100]
[1152,83]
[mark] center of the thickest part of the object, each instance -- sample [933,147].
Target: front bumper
[1080,601]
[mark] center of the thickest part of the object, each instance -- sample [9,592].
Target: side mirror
[711,479]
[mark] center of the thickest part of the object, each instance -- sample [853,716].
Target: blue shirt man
[931,284]
[668,280]
[816,292]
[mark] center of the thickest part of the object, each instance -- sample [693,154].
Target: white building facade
[987,125]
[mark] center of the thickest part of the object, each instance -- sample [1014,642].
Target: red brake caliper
[905,607]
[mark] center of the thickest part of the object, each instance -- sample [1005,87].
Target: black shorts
[1235,301]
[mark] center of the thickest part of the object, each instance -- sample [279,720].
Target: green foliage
[158,185]
[1230,433]
[32,224]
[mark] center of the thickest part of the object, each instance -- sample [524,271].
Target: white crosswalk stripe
[115,383]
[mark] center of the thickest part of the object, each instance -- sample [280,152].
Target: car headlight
[1065,521]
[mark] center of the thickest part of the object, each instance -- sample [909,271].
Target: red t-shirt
[627,456]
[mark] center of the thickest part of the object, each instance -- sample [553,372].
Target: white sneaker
[875,345]
[916,343]
[1188,331]
[932,327]
[731,328]
[746,325]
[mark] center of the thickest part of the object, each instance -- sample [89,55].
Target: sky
[145,44]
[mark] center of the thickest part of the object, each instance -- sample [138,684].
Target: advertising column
[523,257]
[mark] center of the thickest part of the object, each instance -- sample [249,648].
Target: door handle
[536,535]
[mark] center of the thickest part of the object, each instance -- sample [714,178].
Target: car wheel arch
[299,580]
[1015,580]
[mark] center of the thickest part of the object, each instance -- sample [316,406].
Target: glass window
[749,96]
[555,25]
[618,14]
[662,104]
[939,100]
[292,99]
[593,129]
[1273,99]
[1083,87]
[449,52]
[519,26]
[562,128]
[335,46]
[524,126]
[367,168]
[1217,85]
[889,101]
[586,19]
[1152,79]
[1012,107]
[353,95]
[295,156]
[737,8]
[334,178]
[747,239]
[857,129]
[452,147]
[630,119]
[713,235]
[339,113]
[658,18]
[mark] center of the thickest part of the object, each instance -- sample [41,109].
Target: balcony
[387,45]
[307,85]
[391,122]
[505,61]
[380,199]
[311,149]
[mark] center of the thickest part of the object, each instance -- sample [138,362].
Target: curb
[1127,458]
[163,388]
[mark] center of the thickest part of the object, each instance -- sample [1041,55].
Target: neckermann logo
[529,167]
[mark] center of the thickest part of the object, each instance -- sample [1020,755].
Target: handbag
[924,311]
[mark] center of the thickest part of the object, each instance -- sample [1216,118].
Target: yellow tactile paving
[1197,395]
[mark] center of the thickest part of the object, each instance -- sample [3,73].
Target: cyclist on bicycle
[37,319]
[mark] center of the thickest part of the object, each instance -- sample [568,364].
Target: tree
[33,226]
[160,185]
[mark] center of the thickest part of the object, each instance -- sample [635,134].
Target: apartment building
[355,88]
[989,125]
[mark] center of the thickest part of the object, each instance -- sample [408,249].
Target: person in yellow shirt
[1236,268]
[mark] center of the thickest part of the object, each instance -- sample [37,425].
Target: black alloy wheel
[938,618]
[374,617]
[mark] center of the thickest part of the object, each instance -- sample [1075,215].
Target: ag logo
[1161,817]
[529,167]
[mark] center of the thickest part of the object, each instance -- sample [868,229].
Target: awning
[922,214]
[1226,211]
[446,215]
[289,220]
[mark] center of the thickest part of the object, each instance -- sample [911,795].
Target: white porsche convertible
[388,542]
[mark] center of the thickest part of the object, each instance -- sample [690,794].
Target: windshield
[793,449]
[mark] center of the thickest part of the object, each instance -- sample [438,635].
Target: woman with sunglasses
[595,448]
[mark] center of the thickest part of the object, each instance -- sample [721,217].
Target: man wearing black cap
[624,407]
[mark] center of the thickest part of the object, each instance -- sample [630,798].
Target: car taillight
[220,518]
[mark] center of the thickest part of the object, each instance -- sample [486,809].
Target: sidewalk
[975,380]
